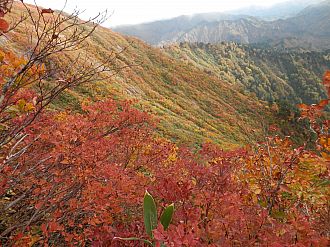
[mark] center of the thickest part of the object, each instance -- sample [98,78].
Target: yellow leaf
[21,104]
[325,156]
[29,107]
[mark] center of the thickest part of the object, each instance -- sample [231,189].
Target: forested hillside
[273,74]
[192,106]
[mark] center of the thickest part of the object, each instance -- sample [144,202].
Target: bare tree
[49,37]
[53,34]
[5,6]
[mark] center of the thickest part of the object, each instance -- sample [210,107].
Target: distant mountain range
[278,11]
[165,30]
[308,27]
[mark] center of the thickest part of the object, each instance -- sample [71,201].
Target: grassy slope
[271,74]
[192,105]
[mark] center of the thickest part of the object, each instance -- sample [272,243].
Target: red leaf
[326,78]
[19,236]
[70,222]
[44,228]
[273,128]
[285,188]
[53,226]
[276,245]
[4,26]
[2,14]
[47,11]
[324,103]
[38,205]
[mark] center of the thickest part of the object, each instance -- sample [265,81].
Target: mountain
[158,31]
[272,74]
[281,10]
[191,105]
[308,29]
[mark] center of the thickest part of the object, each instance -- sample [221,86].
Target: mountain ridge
[309,28]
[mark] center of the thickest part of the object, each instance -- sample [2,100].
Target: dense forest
[273,74]
[106,141]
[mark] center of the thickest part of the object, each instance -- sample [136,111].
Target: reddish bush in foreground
[83,177]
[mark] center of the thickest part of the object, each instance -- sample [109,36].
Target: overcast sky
[137,11]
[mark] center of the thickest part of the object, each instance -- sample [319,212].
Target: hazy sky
[137,11]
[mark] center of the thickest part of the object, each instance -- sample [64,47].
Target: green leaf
[167,216]
[279,215]
[325,182]
[263,203]
[149,213]
[135,239]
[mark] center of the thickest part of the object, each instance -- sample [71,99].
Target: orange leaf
[303,106]
[47,11]
[4,26]
[70,222]
[58,213]
[324,103]
[326,78]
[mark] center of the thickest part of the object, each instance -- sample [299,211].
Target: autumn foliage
[78,178]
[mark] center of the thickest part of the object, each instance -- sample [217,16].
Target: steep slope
[163,30]
[308,29]
[270,73]
[191,105]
